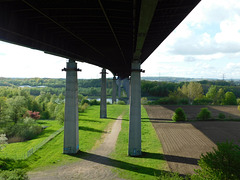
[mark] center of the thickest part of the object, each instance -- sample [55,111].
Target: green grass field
[151,164]
[91,128]
[18,150]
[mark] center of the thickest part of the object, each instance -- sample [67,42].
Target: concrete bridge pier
[114,90]
[103,104]
[119,84]
[134,144]
[71,136]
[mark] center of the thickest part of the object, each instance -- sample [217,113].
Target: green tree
[3,141]
[179,115]
[3,108]
[17,107]
[59,112]
[230,99]
[192,91]
[212,94]
[220,96]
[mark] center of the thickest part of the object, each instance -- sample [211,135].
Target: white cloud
[230,31]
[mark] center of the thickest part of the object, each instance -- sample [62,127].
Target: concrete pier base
[134,145]
[103,104]
[114,90]
[71,136]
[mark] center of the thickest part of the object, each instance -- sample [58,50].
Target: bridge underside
[106,33]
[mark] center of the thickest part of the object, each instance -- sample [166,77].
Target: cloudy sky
[205,45]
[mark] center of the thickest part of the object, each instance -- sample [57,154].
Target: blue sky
[205,45]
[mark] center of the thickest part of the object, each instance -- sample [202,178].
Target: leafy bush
[84,101]
[229,99]
[238,101]
[13,175]
[179,115]
[11,164]
[221,116]
[222,163]
[26,130]
[238,107]
[165,101]
[144,100]
[94,102]
[169,176]
[202,101]
[3,141]
[204,114]
[183,101]
[121,102]
[83,107]
[33,114]
[45,115]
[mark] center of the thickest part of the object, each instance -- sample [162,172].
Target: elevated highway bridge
[118,35]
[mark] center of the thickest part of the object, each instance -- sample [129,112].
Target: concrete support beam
[114,90]
[71,136]
[103,104]
[134,145]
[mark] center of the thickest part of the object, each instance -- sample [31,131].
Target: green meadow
[91,130]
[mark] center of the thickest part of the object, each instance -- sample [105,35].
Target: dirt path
[95,164]
[183,143]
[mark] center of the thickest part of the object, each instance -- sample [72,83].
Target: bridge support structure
[134,144]
[114,90]
[71,135]
[103,104]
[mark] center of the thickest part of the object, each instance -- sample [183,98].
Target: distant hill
[172,79]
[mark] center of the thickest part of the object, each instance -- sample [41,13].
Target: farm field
[184,142]
[165,112]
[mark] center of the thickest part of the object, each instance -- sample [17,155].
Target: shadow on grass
[91,129]
[156,120]
[11,164]
[117,119]
[170,158]
[134,167]
[90,120]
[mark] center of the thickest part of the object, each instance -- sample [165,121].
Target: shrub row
[204,114]
[25,130]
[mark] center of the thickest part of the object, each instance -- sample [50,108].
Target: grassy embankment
[91,128]
[18,150]
[151,164]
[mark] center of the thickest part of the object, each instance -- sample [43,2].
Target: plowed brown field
[183,143]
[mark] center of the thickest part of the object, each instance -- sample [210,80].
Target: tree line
[163,89]
[193,93]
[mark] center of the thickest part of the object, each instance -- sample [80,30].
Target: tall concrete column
[103,104]
[114,90]
[134,145]
[119,84]
[71,136]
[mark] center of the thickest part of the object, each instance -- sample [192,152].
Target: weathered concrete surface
[134,145]
[71,136]
[114,90]
[103,104]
